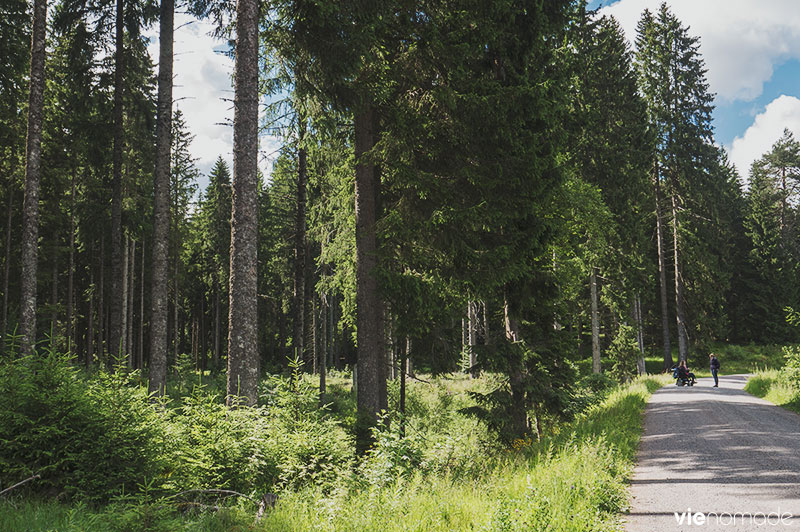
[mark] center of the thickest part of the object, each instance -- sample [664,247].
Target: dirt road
[716,459]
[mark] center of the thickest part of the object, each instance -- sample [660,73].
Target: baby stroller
[682,376]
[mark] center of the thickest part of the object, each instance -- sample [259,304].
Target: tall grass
[773,386]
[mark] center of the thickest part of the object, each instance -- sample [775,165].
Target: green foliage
[90,439]
[624,351]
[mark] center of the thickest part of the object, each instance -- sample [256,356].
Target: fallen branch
[18,484]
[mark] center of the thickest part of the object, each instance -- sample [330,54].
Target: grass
[735,359]
[573,480]
[772,386]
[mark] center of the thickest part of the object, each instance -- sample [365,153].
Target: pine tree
[30,211]
[158,285]
[243,370]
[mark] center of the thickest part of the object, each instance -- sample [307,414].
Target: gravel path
[716,450]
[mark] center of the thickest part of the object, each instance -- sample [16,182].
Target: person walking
[714,369]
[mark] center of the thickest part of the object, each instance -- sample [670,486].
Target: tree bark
[323,352]
[472,315]
[6,270]
[101,334]
[116,325]
[519,415]
[140,347]
[129,352]
[123,347]
[596,368]
[71,271]
[161,188]
[637,312]
[371,393]
[299,300]
[54,300]
[680,314]
[662,271]
[243,318]
[33,157]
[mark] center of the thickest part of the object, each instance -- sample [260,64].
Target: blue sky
[751,49]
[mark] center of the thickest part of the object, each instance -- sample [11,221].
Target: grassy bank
[572,480]
[773,386]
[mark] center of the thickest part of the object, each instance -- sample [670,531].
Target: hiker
[714,369]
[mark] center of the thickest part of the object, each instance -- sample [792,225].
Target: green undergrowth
[444,471]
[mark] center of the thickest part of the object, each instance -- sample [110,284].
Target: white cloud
[782,112]
[203,92]
[742,41]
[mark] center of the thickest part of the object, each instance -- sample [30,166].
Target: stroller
[683,376]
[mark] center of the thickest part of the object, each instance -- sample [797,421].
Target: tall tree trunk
[54,301]
[243,312]
[215,361]
[323,352]
[71,271]
[131,298]
[90,318]
[472,315]
[662,270]
[116,325]
[680,314]
[298,297]
[177,329]
[595,322]
[637,315]
[371,392]
[6,269]
[33,157]
[140,347]
[516,373]
[123,348]
[161,188]
[101,331]
[403,373]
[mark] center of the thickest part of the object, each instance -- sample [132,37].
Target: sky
[751,49]
[203,91]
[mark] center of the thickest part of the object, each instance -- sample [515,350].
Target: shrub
[88,439]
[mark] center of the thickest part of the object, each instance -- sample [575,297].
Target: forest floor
[707,454]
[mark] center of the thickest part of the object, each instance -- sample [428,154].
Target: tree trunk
[637,314]
[243,313]
[100,302]
[6,269]
[90,319]
[116,325]
[71,271]
[140,349]
[215,361]
[33,157]
[662,271]
[595,322]
[403,373]
[519,415]
[323,352]
[131,298]
[161,189]
[371,393]
[299,299]
[54,301]
[680,314]
[123,348]
[472,314]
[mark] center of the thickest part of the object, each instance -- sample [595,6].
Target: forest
[486,224]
